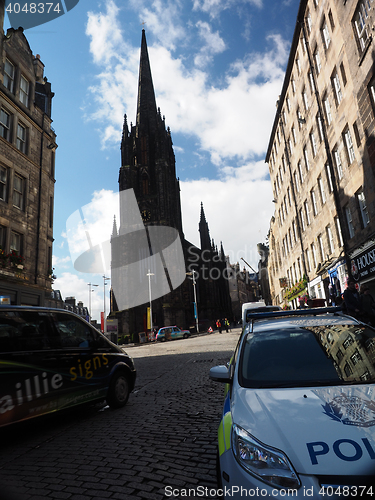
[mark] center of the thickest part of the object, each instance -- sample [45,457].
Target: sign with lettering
[363,265]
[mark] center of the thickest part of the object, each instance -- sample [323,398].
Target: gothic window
[145,185]
[144,158]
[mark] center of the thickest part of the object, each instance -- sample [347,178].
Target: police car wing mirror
[221,374]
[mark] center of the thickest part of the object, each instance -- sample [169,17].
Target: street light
[90,290]
[192,273]
[149,274]
[105,279]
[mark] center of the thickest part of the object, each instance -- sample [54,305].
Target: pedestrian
[226,323]
[218,324]
[368,305]
[352,301]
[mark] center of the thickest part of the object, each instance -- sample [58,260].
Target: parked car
[52,359]
[171,333]
[299,409]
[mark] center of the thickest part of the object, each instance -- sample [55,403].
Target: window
[308,260]
[15,242]
[331,22]
[298,64]
[290,146]
[289,198]
[313,143]
[313,251]
[318,64]
[300,171]
[335,81]
[338,163]
[319,127]
[294,135]
[308,22]
[321,247]
[363,208]
[311,80]
[8,75]
[3,183]
[339,233]
[349,146]
[307,212]
[305,100]
[303,227]
[329,178]
[293,85]
[288,103]
[24,91]
[321,190]
[343,74]
[331,245]
[296,181]
[294,232]
[306,156]
[21,138]
[18,191]
[360,24]
[284,163]
[327,109]
[5,124]
[313,202]
[325,35]
[349,221]
[3,232]
[356,134]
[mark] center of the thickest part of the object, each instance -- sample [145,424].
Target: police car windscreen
[290,356]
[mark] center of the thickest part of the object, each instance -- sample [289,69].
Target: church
[148,167]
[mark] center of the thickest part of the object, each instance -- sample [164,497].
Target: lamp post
[149,274]
[105,279]
[192,274]
[90,290]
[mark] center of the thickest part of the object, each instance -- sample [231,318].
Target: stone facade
[27,178]
[321,156]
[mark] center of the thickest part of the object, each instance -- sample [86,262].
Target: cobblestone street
[163,439]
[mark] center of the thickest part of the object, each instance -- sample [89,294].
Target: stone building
[27,177]
[148,167]
[321,156]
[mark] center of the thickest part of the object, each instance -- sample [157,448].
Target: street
[160,444]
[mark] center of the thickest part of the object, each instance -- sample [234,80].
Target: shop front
[362,265]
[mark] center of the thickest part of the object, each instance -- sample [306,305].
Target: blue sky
[217,67]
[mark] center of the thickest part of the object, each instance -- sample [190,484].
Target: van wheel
[118,392]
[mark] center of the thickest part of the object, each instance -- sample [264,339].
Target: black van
[51,359]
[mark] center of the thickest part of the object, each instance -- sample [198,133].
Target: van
[52,359]
[251,307]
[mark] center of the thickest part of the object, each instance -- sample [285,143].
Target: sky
[217,67]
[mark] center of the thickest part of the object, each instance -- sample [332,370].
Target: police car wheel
[185,335]
[118,392]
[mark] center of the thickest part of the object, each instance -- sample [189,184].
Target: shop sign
[363,265]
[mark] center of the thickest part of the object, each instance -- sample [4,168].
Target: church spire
[204,231]
[146,104]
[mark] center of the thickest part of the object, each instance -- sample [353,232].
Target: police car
[299,409]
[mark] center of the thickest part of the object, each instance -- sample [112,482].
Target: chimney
[38,68]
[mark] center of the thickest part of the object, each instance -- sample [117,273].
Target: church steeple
[204,231]
[146,103]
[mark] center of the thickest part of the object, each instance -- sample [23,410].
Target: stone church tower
[148,167]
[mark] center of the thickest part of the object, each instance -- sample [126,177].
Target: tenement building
[321,156]
[27,160]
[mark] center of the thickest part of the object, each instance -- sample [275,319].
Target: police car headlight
[267,464]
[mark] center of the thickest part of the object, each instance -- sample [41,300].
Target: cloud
[239,203]
[221,118]
[213,44]
[216,7]
[72,285]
